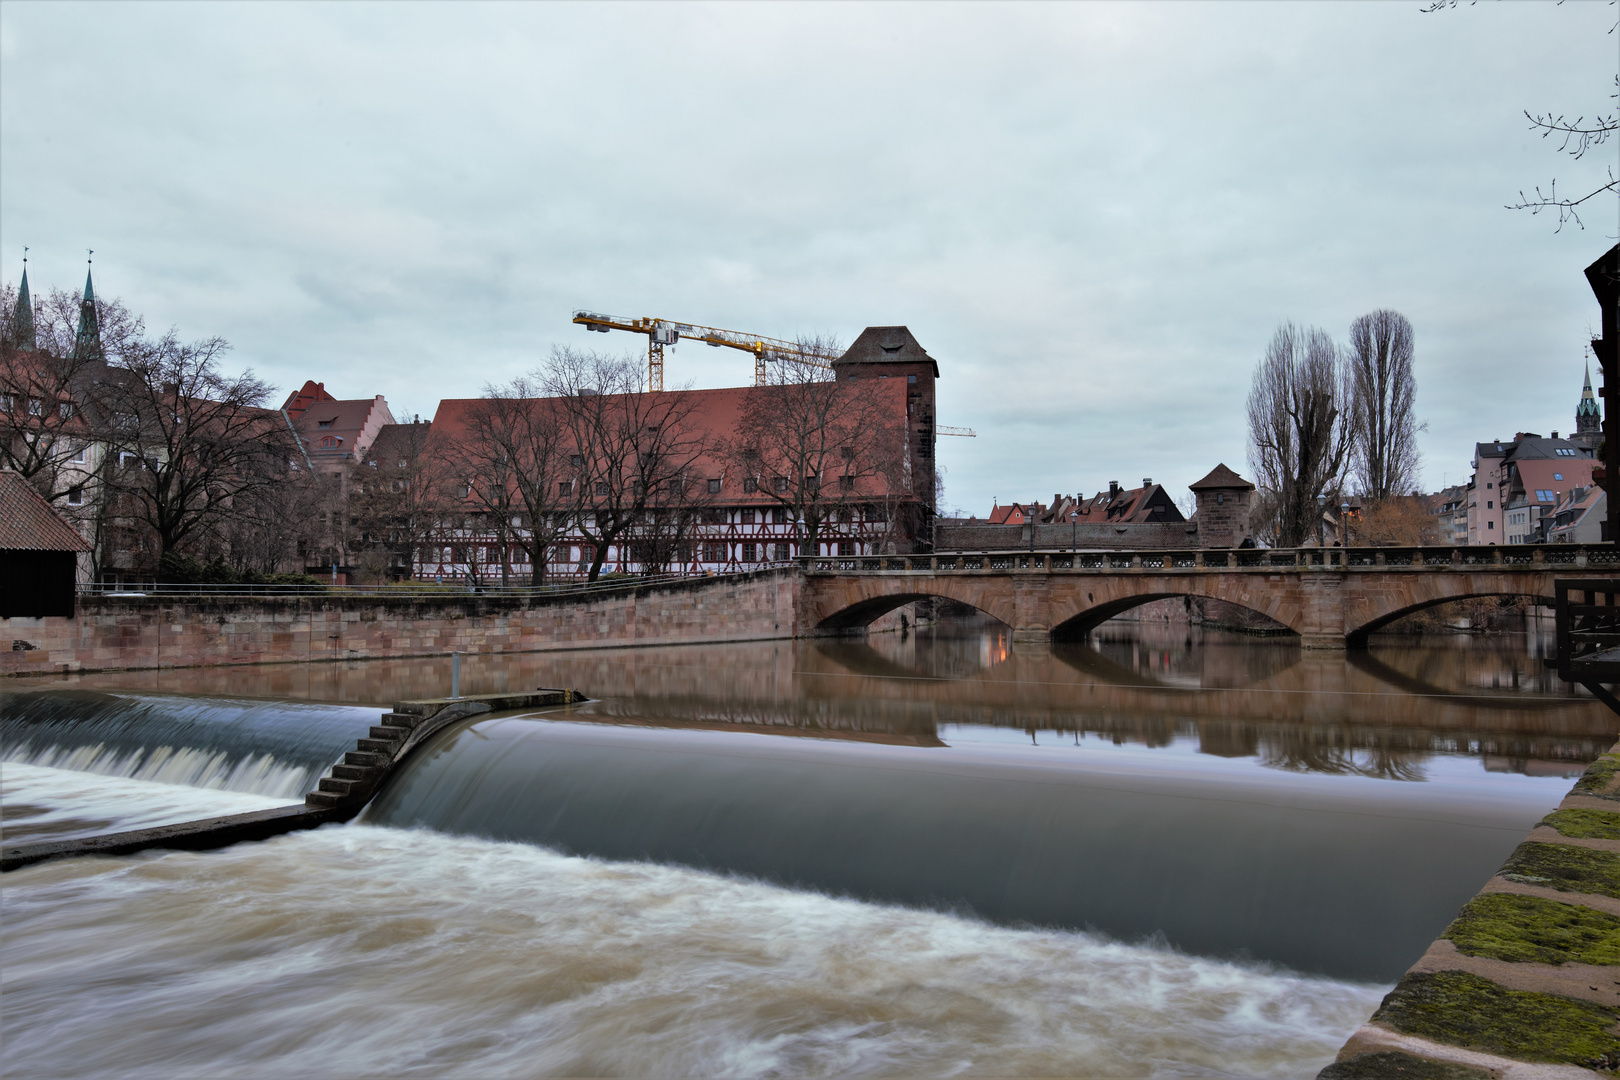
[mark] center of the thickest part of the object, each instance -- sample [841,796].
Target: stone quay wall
[132,632]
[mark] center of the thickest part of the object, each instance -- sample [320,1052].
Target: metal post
[455,674]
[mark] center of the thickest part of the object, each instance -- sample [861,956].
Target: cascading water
[272,748]
[1348,876]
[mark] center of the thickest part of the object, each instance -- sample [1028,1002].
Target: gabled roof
[886,345]
[1015,513]
[27,522]
[1224,479]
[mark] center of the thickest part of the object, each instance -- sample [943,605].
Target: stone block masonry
[1525,982]
[135,632]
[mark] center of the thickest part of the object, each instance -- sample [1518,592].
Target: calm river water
[1167,853]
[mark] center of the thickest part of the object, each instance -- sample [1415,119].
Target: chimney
[1147,481]
[1113,490]
[1555,433]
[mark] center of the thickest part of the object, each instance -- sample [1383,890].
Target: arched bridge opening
[857,616]
[1357,638]
[1079,627]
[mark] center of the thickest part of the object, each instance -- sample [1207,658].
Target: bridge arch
[864,600]
[1078,627]
[1356,637]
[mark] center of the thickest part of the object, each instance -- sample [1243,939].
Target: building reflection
[1380,712]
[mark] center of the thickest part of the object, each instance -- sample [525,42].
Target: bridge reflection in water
[1379,711]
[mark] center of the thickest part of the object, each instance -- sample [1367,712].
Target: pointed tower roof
[87,342]
[1588,405]
[20,328]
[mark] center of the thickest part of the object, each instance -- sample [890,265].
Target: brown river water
[1167,853]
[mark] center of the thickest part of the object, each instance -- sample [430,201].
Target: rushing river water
[1168,854]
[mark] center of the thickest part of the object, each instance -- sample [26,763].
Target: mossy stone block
[1566,868]
[1465,1010]
[1394,1063]
[1585,824]
[1599,779]
[1529,928]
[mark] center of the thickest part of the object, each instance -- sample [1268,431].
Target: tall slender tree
[1384,461]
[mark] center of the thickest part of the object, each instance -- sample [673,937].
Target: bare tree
[50,414]
[396,495]
[629,450]
[188,440]
[1300,427]
[510,458]
[817,446]
[1384,458]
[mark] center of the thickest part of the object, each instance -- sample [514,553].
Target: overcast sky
[1092,215]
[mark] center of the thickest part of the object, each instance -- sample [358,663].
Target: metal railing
[398,591]
[1586,620]
[1535,557]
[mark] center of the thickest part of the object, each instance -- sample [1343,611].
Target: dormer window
[323,423]
[331,442]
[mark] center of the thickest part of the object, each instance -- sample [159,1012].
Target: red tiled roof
[713,414]
[27,522]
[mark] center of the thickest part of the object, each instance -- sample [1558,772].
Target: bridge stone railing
[1530,557]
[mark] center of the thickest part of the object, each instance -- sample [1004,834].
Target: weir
[338,796]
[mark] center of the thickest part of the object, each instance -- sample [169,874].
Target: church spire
[87,342]
[20,328]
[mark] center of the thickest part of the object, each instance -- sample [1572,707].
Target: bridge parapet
[1330,597]
[1533,557]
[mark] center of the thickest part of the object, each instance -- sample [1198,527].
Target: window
[1490,524]
[403,464]
[80,455]
[847,452]
[1220,498]
[1489,505]
[601,487]
[576,460]
[846,483]
[323,423]
[714,487]
[750,484]
[65,410]
[8,402]
[1558,476]
[750,552]
[330,442]
[911,378]
[784,552]
[850,378]
[779,485]
[714,552]
[464,490]
[75,496]
[1487,486]
[748,516]
[846,547]
[565,487]
[36,407]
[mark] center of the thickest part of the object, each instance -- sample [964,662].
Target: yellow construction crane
[661,332]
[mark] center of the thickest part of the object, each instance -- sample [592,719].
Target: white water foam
[255,774]
[40,803]
[359,950]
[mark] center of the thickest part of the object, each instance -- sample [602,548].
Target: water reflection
[1381,712]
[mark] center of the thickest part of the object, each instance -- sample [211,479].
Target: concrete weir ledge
[1525,982]
[339,796]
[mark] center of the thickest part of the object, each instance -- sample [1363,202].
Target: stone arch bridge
[1330,597]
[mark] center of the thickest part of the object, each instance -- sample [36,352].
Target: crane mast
[661,332]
